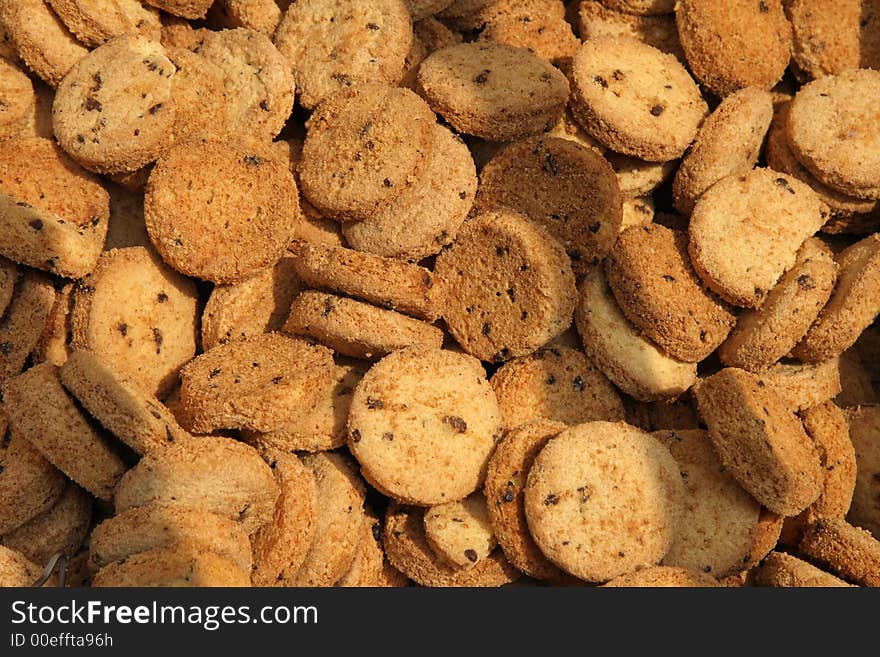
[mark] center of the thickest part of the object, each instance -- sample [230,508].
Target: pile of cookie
[444,292]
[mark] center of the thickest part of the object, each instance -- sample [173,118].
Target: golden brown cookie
[783,570]
[864,429]
[459,532]
[803,385]
[663,577]
[95,23]
[16,570]
[370,568]
[530,25]
[260,15]
[29,484]
[17,99]
[24,321]
[177,566]
[595,19]
[849,551]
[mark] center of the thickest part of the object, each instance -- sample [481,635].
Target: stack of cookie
[439,292]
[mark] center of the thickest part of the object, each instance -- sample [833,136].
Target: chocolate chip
[657,110]
[471,555]
[763,8]
[252,160]
[374,404]
[155,108]
[388,436]
[551,500]
[601,81]
[594,228]
[372,26]
[96,83]
[487,328]
[462,195]
[122,328]
[524,315]
[482,77]
[5,348]
[551,380]
[511,293]
[92,104]
[618,75]
[341,78]
[214,372]
[157,338]
[508,493]
[456,423]
[264,105]
[702,336]
[782,182]
[278,379]
[355,436]
[36,224]
[550,165]
[162,298]
[667,277]
[805,281]
[577,383]
[328,307]
[387,182]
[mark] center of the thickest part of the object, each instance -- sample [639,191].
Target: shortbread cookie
[655,286]
[636,177]
[95,23]
[357,329]
[338,44]
[596,20]
[145,528]
[579,482]
[16,570]
[864,427]
[763,336]
[284,542]
[554,384]
[29,484]
[745,232]
[735,44]
[509,286]
[363,148]
[459,532]
[184,8]
[760,440]
[633,363]
[24,321]
[119,404]
[849,551]
[256,383]
[853,305]
[259,15]
[766,537]
[370,568]
[138,314]
[529,25]
[409,552]
[422,424]
[219,475]
[719,518]
[635,99]
[664,577]
[783,570]
[492,90]
[53,215]
[41,39]
[42,412]
[391,284]
[201,99]
[831,134]
[178,566]
[17,99]
[568,189]
[803,385]
[728,143]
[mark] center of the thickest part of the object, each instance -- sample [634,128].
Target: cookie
[17,99]
[426,216]
[725,220]
[663,577]
[95,23]
[635,99]
[41,411]
[849,551]
[735,44]
[637,211]
[493,91]
[408,551]
[642,7]
[119,404]
[192,9]
[16,570]
[394,285]
[760,440]
[283,543]
[260,15]
[157,526]
[530,26]
[633,363]
[179,567]
[578,483]
[338,523]
[201,100]
[763,336]
[766,538]
[568,189]
[554,384]
[864,427]
[831,135]
[61,528]
[637,177]
[783,570]
[509,286]
[41,39]
[333,45]
[728,143]
[595,20]
[370,568]
[429,35]
[23,323]
[569,128]
[138,314]
[719,518]
[29,484]
[803,385]
[656,288]
[53,215]
[422,425]
[504,490]
[459,532]
[363,148]
[853,305]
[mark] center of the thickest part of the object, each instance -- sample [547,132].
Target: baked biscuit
[783,570]
[664,577]
[17,99]
[864,427]
[192,9]
[29,484]
[16,570]
[24,321]
[177,566]
[595,19]
[849,551]
[803,385]
[95,23]
[459,532]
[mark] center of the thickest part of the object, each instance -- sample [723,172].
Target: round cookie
[17,99]
[338,44]
[652,279]
[138,314]
[766,537]
[201,100]
[568,189]
[259,15]
[554,384]
[642,7]
[53,215]
[635,99]
[783,570]
[663,577]
[256,383]
[29,484]
[509,286]
[504,489]
[734,44]
[24,321]
[719,518]
[531,26]
[118,403]
[409,552]
[849,551]
[178,566]
[745,232]
[423,423]
[760,441]
[852,307]
[578,485]
[595,19]
[459,532]
[832,132]
[429,35]
[16,570]
[224,237]
[192,9]
[363,148]
[114,110]
[803,385]
[42,412]
[41,39]
[492,90]
[426,216]
[154,526]
[864,427]
[370,568]
[728,143]
[637,177]
[634,364]
[763,336]
[95,23]
[219,475]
